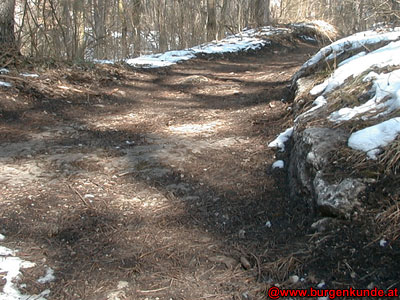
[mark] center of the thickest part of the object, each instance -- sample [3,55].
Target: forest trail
[157,187]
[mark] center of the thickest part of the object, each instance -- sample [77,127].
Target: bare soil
[157,184]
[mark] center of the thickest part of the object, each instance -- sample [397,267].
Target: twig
[258,267]
[153,291]
[80,196]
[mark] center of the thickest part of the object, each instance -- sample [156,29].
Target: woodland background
[115,29]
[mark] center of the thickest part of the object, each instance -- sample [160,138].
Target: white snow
[103,61]
[2,237]
[268,224]
[385,87]
[363,53]
[383,243]
[4,71]
[317,104]
[10,266]
[361,39]
[29,75]
[383,57]
[250,39]
[5,251]
[5,84]
[280,164]
[371,139]
[280,141]
[240,42]
[49,277]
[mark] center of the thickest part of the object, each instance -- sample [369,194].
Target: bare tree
[211,20]
[7,37]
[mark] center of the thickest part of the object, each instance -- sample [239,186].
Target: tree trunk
[100,28]
[211,20]
[261,12]
[7,37]
[136,18]
[223,19]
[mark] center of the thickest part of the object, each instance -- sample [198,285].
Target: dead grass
[390,158]
[283,267]
[389,220]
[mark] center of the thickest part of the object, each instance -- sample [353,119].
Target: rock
[118,295]
[294,279]
[308,159]
[194,79]
[337,199]
[122,285]
[245,263]
[229,262]
[322,225]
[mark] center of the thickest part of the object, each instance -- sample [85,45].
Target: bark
[7,37]
[261,12]
[136,20]
[211,20]
[99,28]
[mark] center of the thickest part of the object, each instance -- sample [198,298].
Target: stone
[337,199]
[309,157]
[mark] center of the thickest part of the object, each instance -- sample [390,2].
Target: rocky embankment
[346,108]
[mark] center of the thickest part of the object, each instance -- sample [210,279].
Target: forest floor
[153,184]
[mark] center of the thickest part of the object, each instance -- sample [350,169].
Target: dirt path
[158,187]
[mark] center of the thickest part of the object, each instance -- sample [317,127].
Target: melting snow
[371,139]
[280,141]
[383,57]
[383,243]
[250,39]
[4,71]
[10,266]
[29,75]
[317,104]
[280,164]
[49,277]
[352,42]
[103,61]
[2,237]
[5,84]
[385,86]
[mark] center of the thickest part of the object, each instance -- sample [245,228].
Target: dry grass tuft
[390,159]
[282,268]
[390,220]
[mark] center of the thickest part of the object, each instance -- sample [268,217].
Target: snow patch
[2,237]
[385,86]
[317,104]
[383,57]
[371,139]
[4,71]
[250,39]
[29,75]
[5,84]
[10,266]
[383,243]
[352,42]
[103,61]
[280,164]
[280,141]
[49,277]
